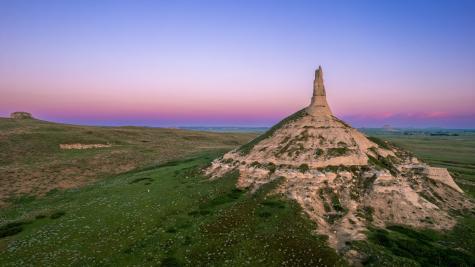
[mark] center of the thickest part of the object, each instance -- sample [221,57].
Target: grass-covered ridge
[170,215]
[32,163]
[245,149]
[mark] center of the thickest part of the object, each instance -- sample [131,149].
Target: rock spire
[319,105]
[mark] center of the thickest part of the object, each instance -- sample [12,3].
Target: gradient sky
[238,63]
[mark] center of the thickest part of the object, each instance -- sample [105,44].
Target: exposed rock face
[343,180]
[319,105]
[83,146]
[21,115]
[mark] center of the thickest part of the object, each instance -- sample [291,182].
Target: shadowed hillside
[32,162]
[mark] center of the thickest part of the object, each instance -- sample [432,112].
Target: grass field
[169,215]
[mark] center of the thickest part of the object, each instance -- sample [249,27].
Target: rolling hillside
[33,164]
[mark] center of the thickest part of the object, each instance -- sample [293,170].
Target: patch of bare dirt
[83,146]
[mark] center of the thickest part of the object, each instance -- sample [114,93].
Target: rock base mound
[343,180]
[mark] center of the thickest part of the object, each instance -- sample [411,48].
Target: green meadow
[169,215]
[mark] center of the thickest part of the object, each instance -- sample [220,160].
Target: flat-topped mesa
[319,105]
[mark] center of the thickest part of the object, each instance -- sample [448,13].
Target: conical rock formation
[343,180]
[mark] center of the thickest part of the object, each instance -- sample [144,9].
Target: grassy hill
[32,163]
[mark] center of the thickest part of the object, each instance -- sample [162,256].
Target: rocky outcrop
[344,180]
[83,146]
[20,115]
[443,176]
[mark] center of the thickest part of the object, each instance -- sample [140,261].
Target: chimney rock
[319,105]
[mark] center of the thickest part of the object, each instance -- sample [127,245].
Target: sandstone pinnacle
[318,86]
[319,105]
